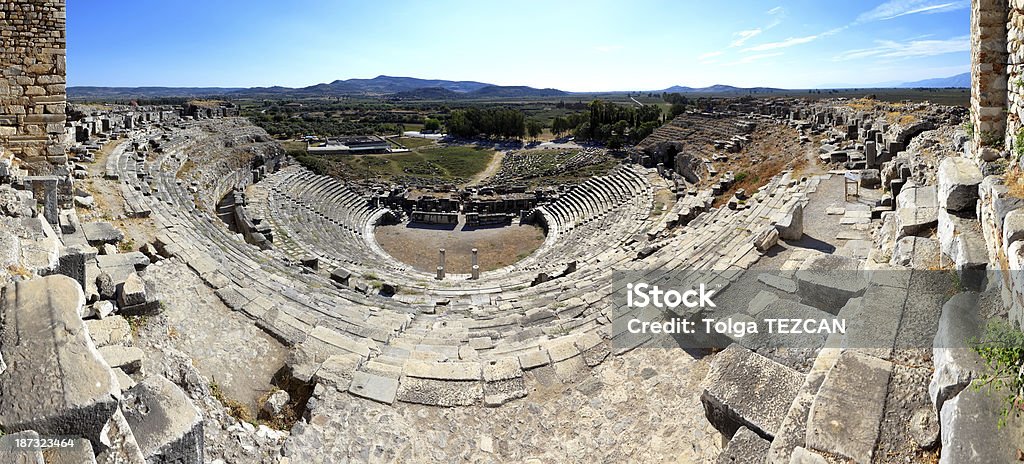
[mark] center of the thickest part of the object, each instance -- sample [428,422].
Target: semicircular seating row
[315,215]
[469,353]
[687,126]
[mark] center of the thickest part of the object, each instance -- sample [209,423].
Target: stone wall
[997,107]
[988,71]
[32,93]
[1014,71]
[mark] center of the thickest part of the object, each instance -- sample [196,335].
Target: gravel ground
[641,407]
[498,246]
[226,347]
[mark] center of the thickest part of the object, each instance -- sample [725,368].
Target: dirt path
[489,172]
[110,203]
[812,165]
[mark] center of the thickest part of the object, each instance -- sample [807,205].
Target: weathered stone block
[126,358]
[165,423]
[916,252]
[845,417]
[132,291]
[110,331]
[435,392]
[766,238]
[744,447]
[970,431]
[828,281]
[746,389]
[958,180]
[56,382]
[956,363]
[98,233]
[791,226]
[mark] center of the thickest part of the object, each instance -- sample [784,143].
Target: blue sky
[571,45]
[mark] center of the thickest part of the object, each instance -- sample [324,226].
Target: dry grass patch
[1014,182]
[19,270]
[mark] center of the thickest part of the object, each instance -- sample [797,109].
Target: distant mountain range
[718,88]
[146,92]
[957,81]
[426,89]
[379,86]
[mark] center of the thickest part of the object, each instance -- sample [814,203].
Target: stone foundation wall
[32,93]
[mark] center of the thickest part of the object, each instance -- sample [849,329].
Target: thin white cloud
[743,36]
[908,49]
[777,14]
[792,41]
[708,55]
[782,43]
[897,8]
[752,58]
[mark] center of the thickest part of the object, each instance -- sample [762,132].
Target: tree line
[487,122]
[600,121]
[610,123]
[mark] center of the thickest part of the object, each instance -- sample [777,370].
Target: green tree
[431,124]
[534,128]
[559,126]
[459,124]
[677,109]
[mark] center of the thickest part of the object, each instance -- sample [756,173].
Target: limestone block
[956,363]
[55,382]
[374,387]
[17,455]
[109,331]
[917,209]
[126,358]
[766,238]
[970,432]
[746,389]
[165,423]
[844,419]
[132,291]
[98,233]
[828,281]
[791,226]
[958,180]
[744,447]
[916,252]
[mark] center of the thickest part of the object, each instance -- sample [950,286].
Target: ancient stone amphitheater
[179,290]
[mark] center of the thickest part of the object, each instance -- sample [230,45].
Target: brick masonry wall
[32,78]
